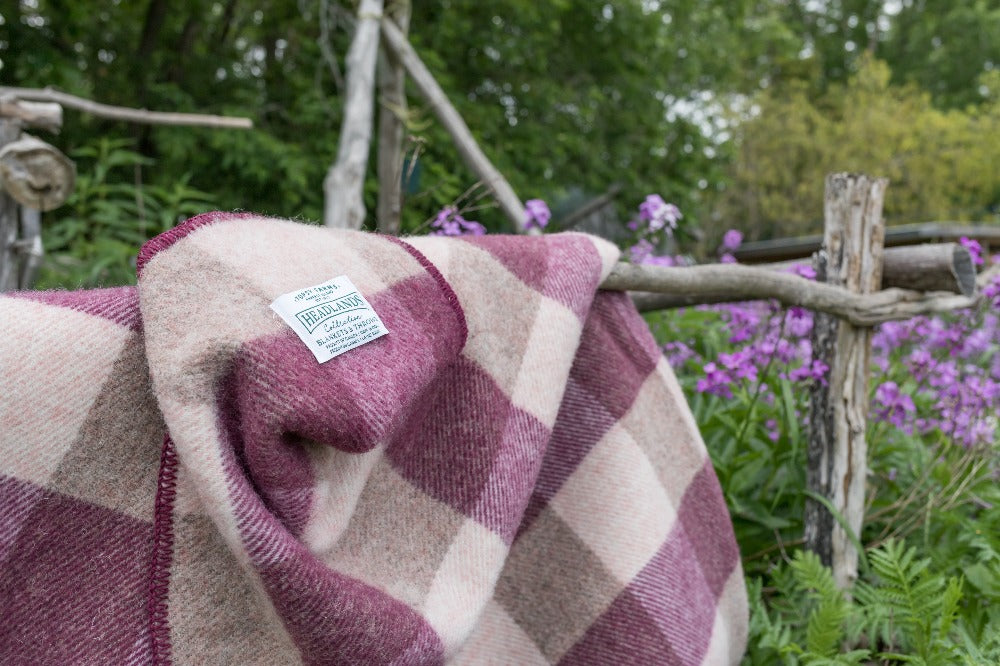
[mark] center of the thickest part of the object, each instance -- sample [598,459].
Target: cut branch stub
[36,174]
[43,115]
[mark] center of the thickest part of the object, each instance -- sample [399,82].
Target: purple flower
[803,270]
[731,240]
[727,258]
[920,362]
[743,322]
[739,365]
[639,252]
[771,426]
[715,382]
[992,290]
[799,321]
[892,405]
[656,260]
[974,248]
[536,214]
[658,213]
[678,353]
[449,222]
[815,371]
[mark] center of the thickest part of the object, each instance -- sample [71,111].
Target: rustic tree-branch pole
[850,257]
[343,187]
[124,113]
[392,99]
[468,149]
[930,267]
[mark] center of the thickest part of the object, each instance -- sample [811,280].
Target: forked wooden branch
[468,149]
[124,113]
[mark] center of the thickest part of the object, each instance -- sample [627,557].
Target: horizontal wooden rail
[733,282]
[798,247]
[124,113]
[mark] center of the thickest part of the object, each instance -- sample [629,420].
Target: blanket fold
[509,476]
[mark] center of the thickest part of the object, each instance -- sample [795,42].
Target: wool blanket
[511,475]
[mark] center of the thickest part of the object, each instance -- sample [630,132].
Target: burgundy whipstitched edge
[163,542]
[446,289]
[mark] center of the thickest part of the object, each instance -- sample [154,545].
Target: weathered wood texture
[35,173]
[343,187]
[851,258]
[468,149]
[123,113]
[926,267]
[392,107]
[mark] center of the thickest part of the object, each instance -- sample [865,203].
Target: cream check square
[539,393]
[615,503]
[464,583]
[64,387]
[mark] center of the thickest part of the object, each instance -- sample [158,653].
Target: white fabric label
[331,318]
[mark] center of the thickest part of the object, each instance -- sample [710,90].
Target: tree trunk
[344,184]
[392,98]
[850,257]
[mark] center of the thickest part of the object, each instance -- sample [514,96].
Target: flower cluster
[930,374]
[449,222]
[657,220]
[767,343]
[658,214]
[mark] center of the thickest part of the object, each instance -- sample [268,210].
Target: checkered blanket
[510,476]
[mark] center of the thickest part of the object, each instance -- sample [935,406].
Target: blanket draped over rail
[509,476]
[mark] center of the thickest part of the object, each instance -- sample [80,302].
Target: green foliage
[940,163]
[107,218]
[906,613]
[565,97]
[930,590]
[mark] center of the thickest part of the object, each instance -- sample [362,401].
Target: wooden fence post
[850,257]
